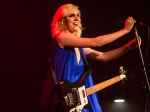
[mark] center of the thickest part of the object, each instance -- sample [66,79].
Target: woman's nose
[77,18]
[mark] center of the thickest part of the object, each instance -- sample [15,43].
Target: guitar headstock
[122,73]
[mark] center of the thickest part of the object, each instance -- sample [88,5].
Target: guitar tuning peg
[121,68]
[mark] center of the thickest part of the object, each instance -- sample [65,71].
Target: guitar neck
[102,85]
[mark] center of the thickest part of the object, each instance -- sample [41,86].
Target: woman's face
[73,23]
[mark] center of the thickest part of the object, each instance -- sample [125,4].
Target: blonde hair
[59,19]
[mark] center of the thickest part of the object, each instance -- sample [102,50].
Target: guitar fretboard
[102,85]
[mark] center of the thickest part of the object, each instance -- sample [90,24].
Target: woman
[65,57]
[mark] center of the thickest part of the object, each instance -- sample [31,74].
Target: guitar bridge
[72,98]
[77,97]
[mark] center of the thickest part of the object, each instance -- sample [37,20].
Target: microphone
[137,23]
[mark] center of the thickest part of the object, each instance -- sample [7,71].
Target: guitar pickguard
[77,98]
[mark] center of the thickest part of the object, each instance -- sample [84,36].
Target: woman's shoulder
[64,34]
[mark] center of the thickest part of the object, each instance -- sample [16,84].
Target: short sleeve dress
[65,66]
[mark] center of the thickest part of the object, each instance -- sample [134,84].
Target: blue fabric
[66,67]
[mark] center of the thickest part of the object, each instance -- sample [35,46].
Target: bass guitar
[75,94]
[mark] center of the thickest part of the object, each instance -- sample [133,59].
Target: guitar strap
[84,60]
[52,69]
[53,73]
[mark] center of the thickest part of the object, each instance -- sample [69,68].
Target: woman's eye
[78,15]
[71,15]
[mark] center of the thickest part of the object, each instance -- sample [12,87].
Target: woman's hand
[129,24]
[133,43]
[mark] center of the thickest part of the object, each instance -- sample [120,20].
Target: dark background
[25,42]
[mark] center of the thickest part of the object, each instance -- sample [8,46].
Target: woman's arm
[110,55]
[68,39]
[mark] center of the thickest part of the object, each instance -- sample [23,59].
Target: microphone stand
[145,87]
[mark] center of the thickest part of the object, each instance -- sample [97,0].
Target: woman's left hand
[134,43]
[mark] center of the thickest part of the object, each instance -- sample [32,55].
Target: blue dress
[65,66]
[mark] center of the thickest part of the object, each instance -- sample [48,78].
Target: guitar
[75,94]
